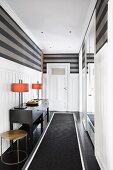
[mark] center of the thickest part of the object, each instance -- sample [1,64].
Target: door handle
[65,89]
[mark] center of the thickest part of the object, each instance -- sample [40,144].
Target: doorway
[57,85]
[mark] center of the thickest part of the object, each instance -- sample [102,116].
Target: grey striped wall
[90,59]
[101,23]
[15,45]
[83,55]
[73,59]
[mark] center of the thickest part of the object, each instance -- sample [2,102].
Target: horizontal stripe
[18,42]
[101,17]
[100,11]
[74,72]
[17,61]
[15,56]
[73,59]
[99,5]
[104,29]
[62,61]
[18,34]
[90,58]
[8,47]
[101,42]
[90,54]
[92,61]
[16,28]
[14,46]
[102,24]
[59,55]
[61,58]
[74,68]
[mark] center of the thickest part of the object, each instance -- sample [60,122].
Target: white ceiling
[56,24]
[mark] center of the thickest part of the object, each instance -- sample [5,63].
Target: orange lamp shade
[18,87]
[36,86]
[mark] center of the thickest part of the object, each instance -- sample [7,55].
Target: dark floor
[86,146]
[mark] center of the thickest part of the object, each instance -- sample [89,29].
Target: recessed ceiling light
[42,32]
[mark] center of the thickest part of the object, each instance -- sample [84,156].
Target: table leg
[18,150]
[41,123]
[48,114]
[11,126]
[31,135]
[11,141]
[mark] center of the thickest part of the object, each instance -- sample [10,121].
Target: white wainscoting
[73,94]
[101,111]
[104,99]
[73,91]
[11,72]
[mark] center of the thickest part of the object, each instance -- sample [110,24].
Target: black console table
[30,115]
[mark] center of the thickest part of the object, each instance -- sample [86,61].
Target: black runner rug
[59,148]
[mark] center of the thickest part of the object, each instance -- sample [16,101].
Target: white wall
[11,72]
[104,99]
[73,91]
[73,95]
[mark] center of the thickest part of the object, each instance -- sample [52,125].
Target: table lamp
[37,86]
[20,87]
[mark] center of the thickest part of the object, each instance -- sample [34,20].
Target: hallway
[61,51]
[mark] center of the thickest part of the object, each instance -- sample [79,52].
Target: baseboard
[100,162]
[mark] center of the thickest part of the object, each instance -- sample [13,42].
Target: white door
[90,88]
[57,86]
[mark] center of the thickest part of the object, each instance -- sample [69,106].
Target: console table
[30,115]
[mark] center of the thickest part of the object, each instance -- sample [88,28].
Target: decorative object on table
[19,154]
[38,87]
[20,87]
[32,103]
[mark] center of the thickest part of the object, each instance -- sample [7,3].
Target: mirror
[90,52]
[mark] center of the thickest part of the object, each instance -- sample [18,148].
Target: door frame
[49,65]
